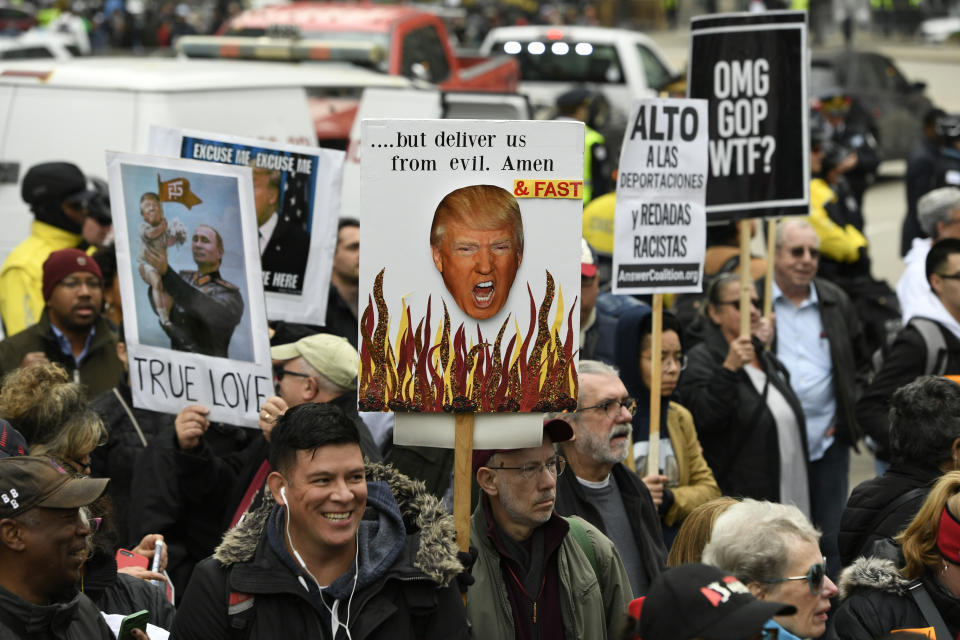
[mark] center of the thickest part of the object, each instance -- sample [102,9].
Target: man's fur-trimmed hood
[423,515]
[872,573]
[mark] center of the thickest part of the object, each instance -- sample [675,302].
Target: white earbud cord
[356,572]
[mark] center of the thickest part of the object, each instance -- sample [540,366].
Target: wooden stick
[462,482]
[768,281]
[653,453]
[628,459]
[746,282]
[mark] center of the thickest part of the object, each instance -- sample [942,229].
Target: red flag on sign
[177,190]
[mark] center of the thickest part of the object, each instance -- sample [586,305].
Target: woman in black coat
[750,423]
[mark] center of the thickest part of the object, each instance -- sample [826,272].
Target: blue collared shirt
[804,349]
[68,350]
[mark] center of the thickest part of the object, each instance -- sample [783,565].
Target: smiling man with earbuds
[343,550]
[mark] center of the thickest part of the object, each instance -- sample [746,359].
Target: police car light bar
[288,49]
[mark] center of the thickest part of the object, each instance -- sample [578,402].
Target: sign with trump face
[470,271]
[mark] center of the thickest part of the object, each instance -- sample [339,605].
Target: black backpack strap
[929,610]
[935,343]
[902,499]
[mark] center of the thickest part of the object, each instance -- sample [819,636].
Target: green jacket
[99,371]
[594,604]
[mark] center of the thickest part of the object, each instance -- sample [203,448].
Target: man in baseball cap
[59,195]
[319,368]
[42,547]
[71,331]
[546,566]
[697,601]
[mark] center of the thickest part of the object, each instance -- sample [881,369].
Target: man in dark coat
[317,369]
[599,488]
[924,442]
[42,547]
[71,331]
[820,342]
[911,356]
[340,554]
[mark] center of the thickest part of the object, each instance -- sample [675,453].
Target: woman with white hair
[774,550]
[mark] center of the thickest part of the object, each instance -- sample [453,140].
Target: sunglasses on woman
[814,577]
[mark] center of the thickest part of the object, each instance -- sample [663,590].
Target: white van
[75,110]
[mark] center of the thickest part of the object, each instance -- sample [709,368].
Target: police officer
[204,308]
[581,104]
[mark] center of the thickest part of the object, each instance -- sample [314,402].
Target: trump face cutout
[477,244]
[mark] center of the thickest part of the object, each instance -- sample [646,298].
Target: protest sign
[297,196]
[752,70]
[470,279]
[189,272]
[660,224]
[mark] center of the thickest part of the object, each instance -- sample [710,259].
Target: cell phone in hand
[127,558]
[133,621]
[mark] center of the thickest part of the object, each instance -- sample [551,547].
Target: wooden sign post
[653,453]
[462,482]
[746,282]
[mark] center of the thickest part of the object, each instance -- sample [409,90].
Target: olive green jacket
[594,604]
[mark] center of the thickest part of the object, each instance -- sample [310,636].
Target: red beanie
[62,263]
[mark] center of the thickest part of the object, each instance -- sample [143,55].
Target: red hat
[62,263]
[588,259]
[557,430]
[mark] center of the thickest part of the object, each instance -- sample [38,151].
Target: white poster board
[200,337]
[470,275]
[660,219]
[296,193]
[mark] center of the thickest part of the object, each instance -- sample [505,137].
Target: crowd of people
[739,526]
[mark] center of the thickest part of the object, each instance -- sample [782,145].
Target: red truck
[399,40]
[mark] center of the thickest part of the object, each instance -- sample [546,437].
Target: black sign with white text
[752,69]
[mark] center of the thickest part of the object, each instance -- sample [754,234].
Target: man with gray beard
[598,487]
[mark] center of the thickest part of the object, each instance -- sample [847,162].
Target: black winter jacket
[905,361]
[875,601]
[124,450]
[848,353]
[644,520]
[737,431]
[185,511]
[859,527]
[414,596]
[75,618]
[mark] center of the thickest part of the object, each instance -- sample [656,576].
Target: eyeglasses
[950,276]
[679,360]
[73,283]
[530,470]
[814,577]
[612,406]
[797,252]
[754,302]
[280,372]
